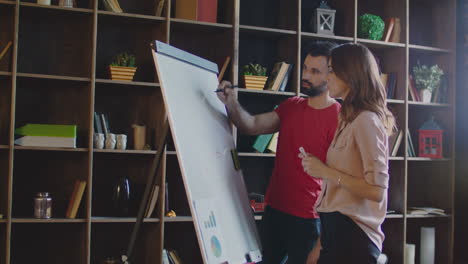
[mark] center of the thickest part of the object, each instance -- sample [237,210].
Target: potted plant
[254,76]
[370,27]
[123,67]
[427,79]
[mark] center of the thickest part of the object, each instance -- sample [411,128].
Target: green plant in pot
[370,27]
[254,76]
[123,67]
[427,80]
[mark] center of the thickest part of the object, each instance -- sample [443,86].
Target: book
[5,49]
[391,84]
[396,145]
[411,152]
[223,69]
[261,142]
[396,32]
[152,201]
[425,211]
[389,28]
[273,143]
[286,78]
[175,257]
[39,141]
[165,257]
[97,123]
[280,77]
[47,130]
[75,199]
[201,10]
[273,75]
[160,8]
[412,89]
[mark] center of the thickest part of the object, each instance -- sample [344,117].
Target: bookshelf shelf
[413,216]
[380,44]
[52,77]
[260,155]
[122,220]
[254,29]
[308,35]
[429,49]
[3,73]
[126,151]
[47,221]
[130,15]
[188,22]
[178,219]
[6,2]
[247,91]
[54,7]
[51,149]
[126,83]
[413,103]
[68,80]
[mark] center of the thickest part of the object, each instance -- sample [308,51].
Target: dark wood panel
[4,180]
[44,241]
[47,171]
[131,35]
[257,173]
[7,19]
[45,101]
[177,197]
[269,13]
[182,238]
[5,110]
[61,44]
[108,168]
[3,240]
[126,105]
[111,240]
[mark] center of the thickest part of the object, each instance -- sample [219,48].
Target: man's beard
[313,90]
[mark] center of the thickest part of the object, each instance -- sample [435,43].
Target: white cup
[121,141]
[43,2]
[110,141]
[99,140]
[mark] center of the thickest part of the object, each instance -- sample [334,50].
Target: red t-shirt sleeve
[285,106]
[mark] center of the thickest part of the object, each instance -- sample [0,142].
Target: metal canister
[42,205]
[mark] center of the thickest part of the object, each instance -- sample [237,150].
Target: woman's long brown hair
[356,66]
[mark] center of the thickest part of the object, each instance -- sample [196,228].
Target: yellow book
[273,143]
[75,200]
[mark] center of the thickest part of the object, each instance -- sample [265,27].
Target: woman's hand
[313,166]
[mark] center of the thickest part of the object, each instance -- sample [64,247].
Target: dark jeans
[286,235]
[343,241]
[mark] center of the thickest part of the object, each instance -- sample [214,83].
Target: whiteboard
[224,222]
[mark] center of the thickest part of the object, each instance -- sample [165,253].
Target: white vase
[425,95]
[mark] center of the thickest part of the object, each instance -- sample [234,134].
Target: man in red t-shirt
[290,225]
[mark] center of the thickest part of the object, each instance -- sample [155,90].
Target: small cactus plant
[254,69]
[124,60]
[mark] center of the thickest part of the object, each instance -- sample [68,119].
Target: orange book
[388,31]
[75,199]
[4,51]
[200,10]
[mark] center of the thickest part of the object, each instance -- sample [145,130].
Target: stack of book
[42,135]
[425,211]
[279,76]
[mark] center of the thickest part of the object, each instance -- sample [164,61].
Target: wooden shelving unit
[56,72]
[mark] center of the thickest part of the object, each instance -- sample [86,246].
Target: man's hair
[319,48]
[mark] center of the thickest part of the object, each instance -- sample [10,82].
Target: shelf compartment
[7,34]
[224,13]
[131,35]
[44,241]
[107,170]
[344,18]
[396,190]
[44,101]
[197,39]
[385,10]
[443,234]
[4,181]
[5,110]
[279,14]
[430,186]
[393,246]
[101,82]
[53,172]
[428,24]
[182,238]
[257,173]
[142,107]
[176,196]
[147,245]
[267,50]
[60,45]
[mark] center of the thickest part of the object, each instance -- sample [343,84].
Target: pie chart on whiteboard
[216,246]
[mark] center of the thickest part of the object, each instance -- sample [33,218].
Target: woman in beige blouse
[353,201]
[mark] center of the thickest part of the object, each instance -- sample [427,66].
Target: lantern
[430,140]
[323,19]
